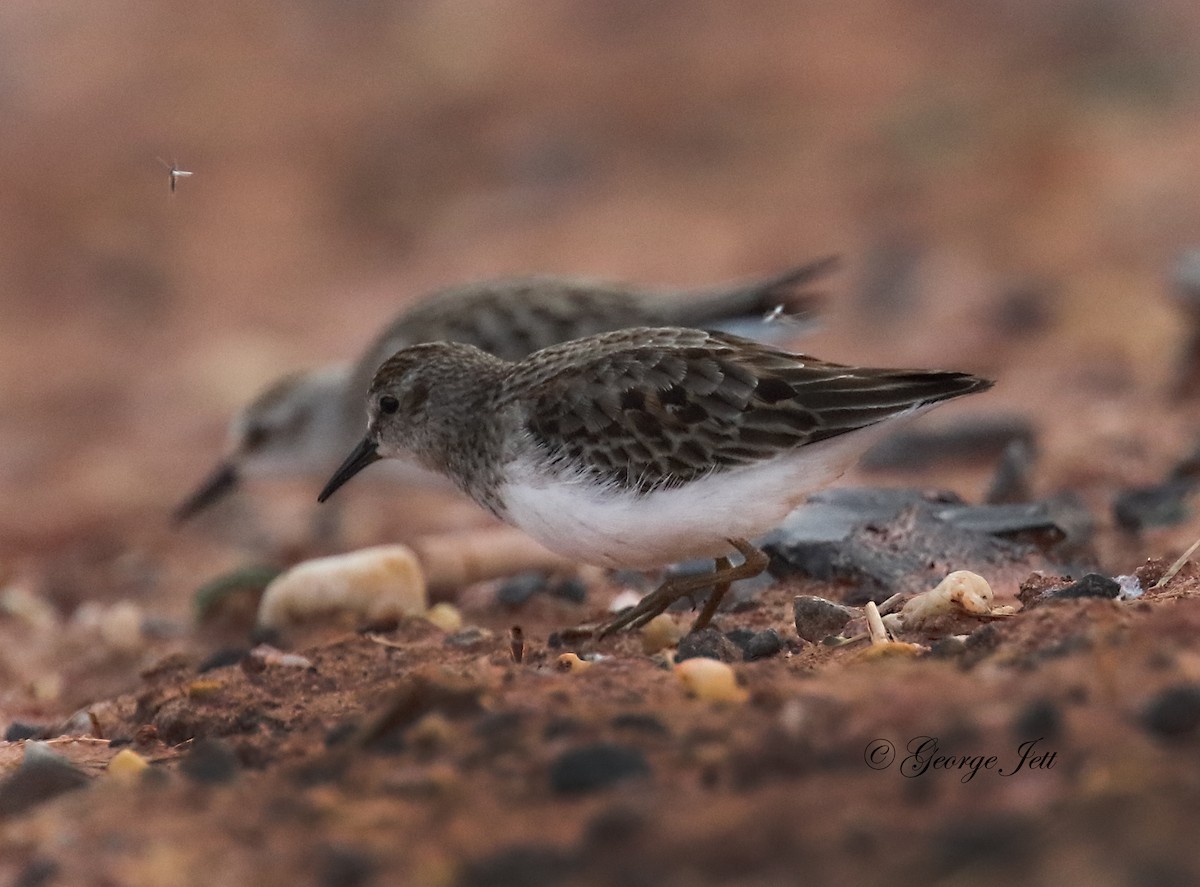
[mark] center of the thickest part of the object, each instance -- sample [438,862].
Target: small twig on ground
[1177,566]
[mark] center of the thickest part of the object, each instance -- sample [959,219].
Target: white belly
[618,528]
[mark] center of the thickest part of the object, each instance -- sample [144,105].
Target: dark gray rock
[42,775]
[763,645]
[817,618]
[710,644]
[19,730]
[879,542]
[516,591]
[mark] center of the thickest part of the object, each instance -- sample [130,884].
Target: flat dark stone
[597,766]
[876,543]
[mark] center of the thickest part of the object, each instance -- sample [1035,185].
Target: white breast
[619,528]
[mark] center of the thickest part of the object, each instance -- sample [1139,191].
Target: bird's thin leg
[673,589]
[722,566]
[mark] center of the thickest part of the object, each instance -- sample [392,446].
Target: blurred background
[1009,186]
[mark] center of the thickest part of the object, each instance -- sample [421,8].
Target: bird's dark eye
[388,404]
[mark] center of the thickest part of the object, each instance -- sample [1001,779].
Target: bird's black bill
[364,454]
[223,480]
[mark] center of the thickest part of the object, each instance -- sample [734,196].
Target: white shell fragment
[373,584]
[960,592]
[710,680]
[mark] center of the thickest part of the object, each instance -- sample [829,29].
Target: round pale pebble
[710,680]
[445,616]
[374,584]
[659,633]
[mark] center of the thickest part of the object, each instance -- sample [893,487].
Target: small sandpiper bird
[640,447]
[302,425]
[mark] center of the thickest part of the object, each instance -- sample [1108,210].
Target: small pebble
[1174,713]
[1039,719]
[224,657]
[948,647]
[445,616]
[572,663]
[471,636]
[372,585]
[1091,585]
[1131,587]
[660,633]
[573,590]
[516,591]
[42,775]
[710,680]
[271,656]
[204,689]
[19,730]
[127,767]
[210,761]
[763,645]
[121,627]
[232,591]
[818,618]
[591,768]
[708,643]
[22,603]
[740,637]
[892,650]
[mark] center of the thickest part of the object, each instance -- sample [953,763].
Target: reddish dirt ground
[1009,187]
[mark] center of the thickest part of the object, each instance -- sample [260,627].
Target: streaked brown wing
[654,409]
